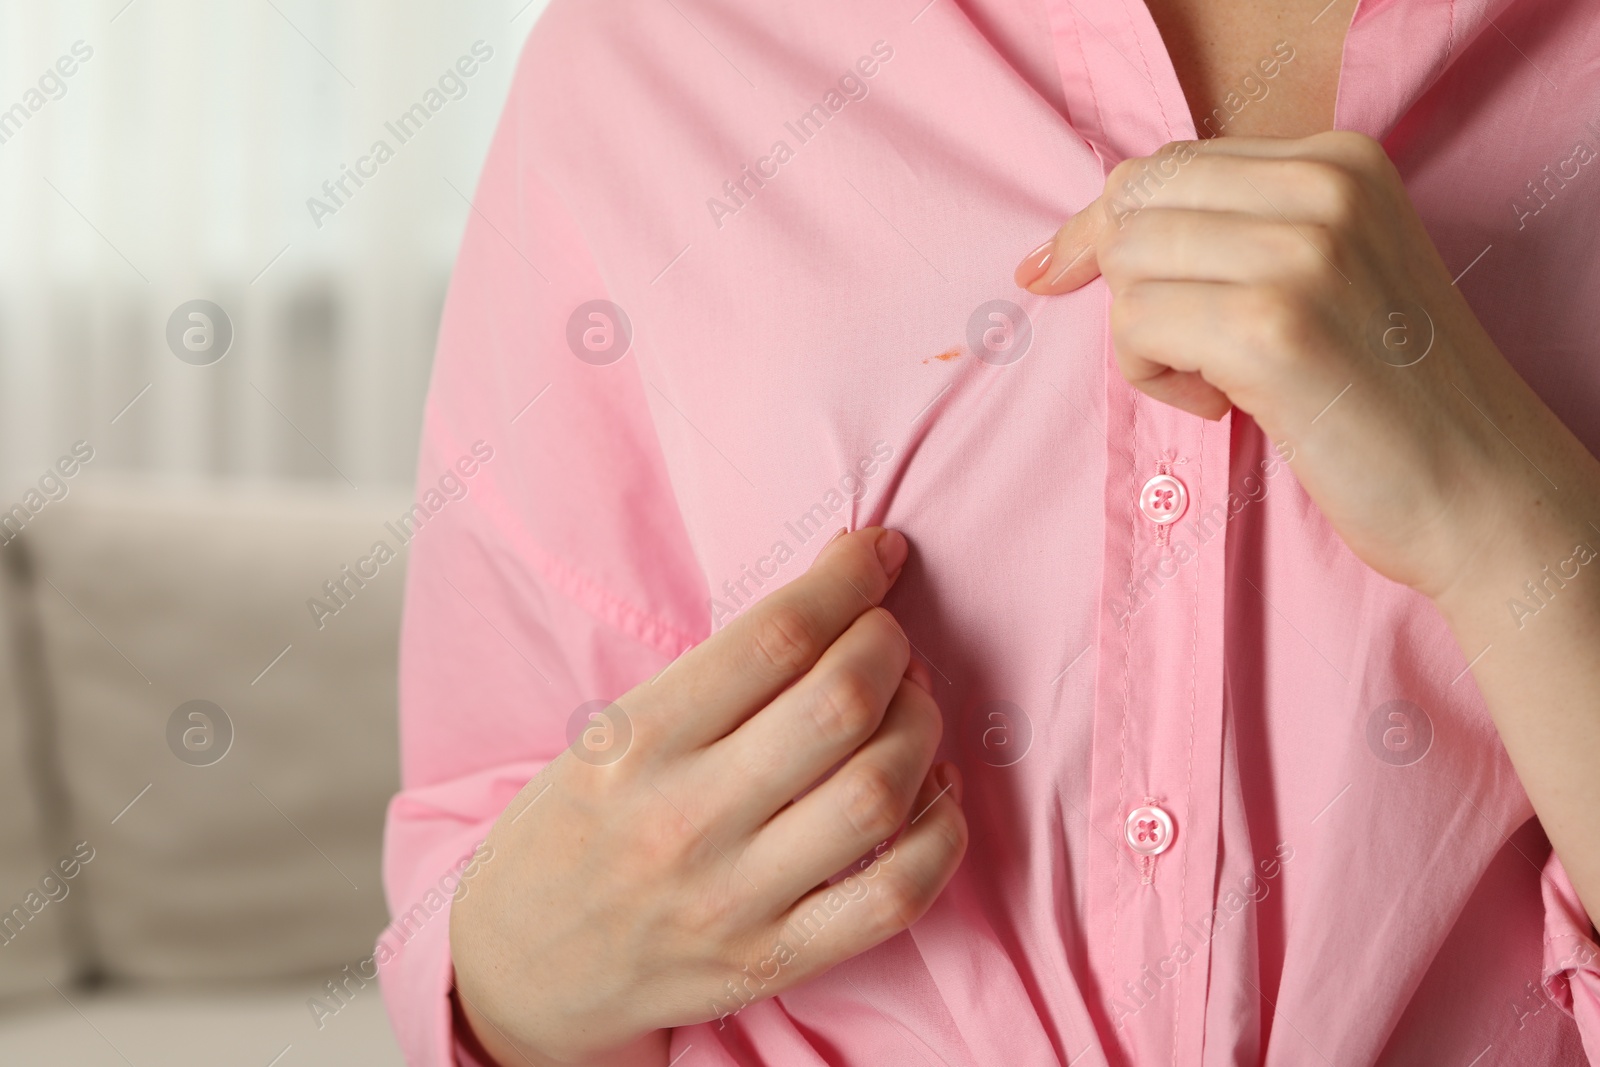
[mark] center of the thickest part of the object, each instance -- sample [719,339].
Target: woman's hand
[676,878]
[1294,279]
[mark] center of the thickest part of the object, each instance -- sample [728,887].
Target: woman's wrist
[1533,542]
[1517,535]
[1526,493]
[492,1047]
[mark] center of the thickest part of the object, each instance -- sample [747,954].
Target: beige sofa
[209,898]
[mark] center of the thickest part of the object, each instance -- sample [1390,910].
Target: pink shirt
[1234,797]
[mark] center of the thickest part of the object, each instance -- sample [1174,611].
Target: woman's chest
[818,269]
[1217,49]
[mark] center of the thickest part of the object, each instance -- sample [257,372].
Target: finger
[1215,246]
[1330,144]
[723,681]
[1069,259]
[1255,147]
[1193,345]
[1296,188]
[814,724]
[1186,391]
[1066,261]
[1300,179]
[1347,148]
[918,672]
[858,807]
[874,902]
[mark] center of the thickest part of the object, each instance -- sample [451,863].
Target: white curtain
[175,163]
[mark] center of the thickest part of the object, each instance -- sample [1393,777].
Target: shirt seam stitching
[1144,61]
[1188,774]
[1094,95]
[608,608]
[1127,659]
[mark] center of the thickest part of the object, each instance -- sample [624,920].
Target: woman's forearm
[1527,616]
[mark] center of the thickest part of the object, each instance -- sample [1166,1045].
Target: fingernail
[1055,279]
[892,551]
[949,778]
[823,551]
[1035,263]
[917,672]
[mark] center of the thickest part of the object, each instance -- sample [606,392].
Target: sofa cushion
[34,898]
[196,1028]
[244,842]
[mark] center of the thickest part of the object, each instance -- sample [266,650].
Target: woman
[1235,668]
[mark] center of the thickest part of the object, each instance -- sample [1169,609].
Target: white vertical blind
[176,163]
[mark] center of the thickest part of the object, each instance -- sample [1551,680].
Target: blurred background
[226,229]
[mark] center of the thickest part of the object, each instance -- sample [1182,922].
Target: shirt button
[1148,830]
[1163,499]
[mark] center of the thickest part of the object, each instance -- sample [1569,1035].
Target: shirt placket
[1154,800]
[1155,769]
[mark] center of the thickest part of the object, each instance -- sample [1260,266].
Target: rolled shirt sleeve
[1571,955]
[548,564]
